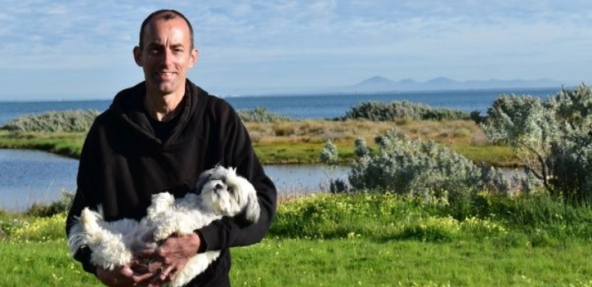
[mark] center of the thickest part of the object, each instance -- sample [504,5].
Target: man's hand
[123,276]
[173,253]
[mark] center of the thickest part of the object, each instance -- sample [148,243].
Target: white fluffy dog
[223,193]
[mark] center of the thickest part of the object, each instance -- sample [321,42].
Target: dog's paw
[89,220]
[162,232]
[161,202]
[86,216]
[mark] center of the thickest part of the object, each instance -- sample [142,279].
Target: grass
[489,154]
[365,240]
[64,143]
[302,141]
[356,262]
[40,263]
[341,262]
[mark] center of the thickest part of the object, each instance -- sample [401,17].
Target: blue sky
[57,49]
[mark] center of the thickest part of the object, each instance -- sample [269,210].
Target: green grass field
[363,240]
[342,262]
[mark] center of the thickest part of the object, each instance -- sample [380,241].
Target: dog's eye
[230,189]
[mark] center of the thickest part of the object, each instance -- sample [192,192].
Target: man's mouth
[165,75]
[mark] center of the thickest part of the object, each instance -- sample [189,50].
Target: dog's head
[228,193]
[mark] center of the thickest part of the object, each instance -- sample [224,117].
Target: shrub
[402,111]
[420,169]
[378,216]
[41,229]
[553,138]
[53,121]
[534,212]
[415,167]
[9,225]
[476,117]
[261,115]
[61,205]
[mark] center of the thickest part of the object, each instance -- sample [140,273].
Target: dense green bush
[39,229]
[261,115]
[402,110]
[377,216]
[54,121]
[61,205]
[423,169]
[523,220]
[81,120]
[553,138]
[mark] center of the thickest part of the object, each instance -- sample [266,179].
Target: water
[303,106]
[28,176]
[332,106]
[32,176]
[303,179]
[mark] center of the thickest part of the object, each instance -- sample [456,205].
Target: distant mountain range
[382,84]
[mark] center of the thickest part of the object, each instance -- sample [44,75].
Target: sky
[60,50]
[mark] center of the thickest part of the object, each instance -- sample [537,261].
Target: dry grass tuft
[446,132]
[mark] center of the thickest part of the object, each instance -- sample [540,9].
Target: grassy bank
[365,240]
[302,141]
[62,143]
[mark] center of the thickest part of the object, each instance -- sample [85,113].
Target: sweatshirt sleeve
[85,180]
[81,253]
[233,232]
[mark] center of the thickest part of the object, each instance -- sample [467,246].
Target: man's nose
[167,56]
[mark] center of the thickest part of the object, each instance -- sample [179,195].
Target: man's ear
[138,55]
[193,59]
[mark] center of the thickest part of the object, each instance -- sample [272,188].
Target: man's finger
[127,271]
[144,253]
[142,277]
[165,273]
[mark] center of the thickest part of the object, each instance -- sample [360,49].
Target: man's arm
[238,152]
[87,174]
[228,232]
[84,178]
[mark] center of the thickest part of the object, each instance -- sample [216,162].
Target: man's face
[166,56]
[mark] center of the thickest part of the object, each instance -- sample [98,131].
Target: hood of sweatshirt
[128,108]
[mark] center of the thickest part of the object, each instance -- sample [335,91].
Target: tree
[552,137]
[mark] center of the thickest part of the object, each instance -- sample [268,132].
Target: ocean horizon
[301,106]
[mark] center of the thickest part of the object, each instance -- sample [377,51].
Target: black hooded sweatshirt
[123,163]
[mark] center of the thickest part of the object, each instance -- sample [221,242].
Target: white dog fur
[223,193]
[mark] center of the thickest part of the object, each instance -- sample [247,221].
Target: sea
[312,106]
[28,177]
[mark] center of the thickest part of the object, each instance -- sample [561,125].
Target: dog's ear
[252,210]
[201,180]
[204,177]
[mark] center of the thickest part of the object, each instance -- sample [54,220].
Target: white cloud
[419,36]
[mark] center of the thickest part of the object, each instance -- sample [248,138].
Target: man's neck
[163,107]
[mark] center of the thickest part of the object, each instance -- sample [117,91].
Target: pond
[29,176]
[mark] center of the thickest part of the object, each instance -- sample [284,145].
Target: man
[159,136]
